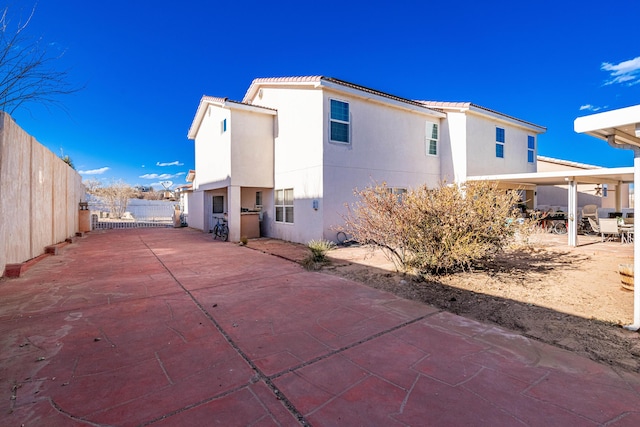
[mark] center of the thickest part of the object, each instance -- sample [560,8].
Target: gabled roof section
[206,101]
[566,163]
[468,106]
[336,84]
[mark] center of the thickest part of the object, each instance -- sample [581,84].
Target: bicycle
[221,229]
[344,240]
[559,227]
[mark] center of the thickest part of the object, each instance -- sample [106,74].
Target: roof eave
[226,103]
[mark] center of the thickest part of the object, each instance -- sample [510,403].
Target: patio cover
[528,181]
[621,129]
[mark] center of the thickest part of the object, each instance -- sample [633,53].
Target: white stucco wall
[213,150]
[251,149]
[297,159]
[481,147]
[453,154]
[388,144]
[195,200]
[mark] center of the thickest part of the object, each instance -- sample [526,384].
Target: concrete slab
[168,327]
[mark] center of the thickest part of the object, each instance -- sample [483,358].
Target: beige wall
[39,196]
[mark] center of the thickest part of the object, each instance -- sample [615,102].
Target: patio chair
[594,225]
[609,228]
[590,211]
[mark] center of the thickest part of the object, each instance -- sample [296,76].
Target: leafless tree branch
[27,70]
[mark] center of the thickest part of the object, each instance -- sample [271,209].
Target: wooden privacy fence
[39,196]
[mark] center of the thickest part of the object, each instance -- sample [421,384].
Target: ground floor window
[398,191]
[218,204]
[284,205]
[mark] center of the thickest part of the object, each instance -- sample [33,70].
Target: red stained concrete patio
[167,327]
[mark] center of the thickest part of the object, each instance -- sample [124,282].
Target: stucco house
[293,150]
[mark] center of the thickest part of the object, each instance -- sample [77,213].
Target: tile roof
[441,106]
[320,79]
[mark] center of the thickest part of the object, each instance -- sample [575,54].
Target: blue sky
[146,64]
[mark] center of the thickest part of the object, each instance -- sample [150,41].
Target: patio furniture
[590,211]
[626,233]
[609,228]
[594,225]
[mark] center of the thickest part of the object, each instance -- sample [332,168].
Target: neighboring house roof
[206,101]
[468,106]
[567,163]
[337,84]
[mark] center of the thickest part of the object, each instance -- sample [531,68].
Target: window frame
[500,142]
[429,128]
[340,121]
[213,204]
[223,125]
[531,149]
[284,200]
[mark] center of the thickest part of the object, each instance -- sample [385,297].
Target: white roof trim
[621,125]
[206,101]
[587,176]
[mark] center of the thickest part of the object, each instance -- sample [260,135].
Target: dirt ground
[569,297]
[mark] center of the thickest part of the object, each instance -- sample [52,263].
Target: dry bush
[116,196]
[436,230]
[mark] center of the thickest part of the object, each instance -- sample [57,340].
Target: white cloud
[161,176]
[627,72]
[94,171]
[589,107]
[176,163]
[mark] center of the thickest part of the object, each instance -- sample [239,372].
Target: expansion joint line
[268,381]
[352,345]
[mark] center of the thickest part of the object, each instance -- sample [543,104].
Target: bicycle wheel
[341,237]
[560,227]
[224,233]
[216,231]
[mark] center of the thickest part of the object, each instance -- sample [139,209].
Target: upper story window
[223,126]
[500,142]
[432,139]
[531,148]
[340,122]
[284,205]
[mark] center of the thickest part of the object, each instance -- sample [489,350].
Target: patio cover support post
[234,207]
[636,246]
[572,231]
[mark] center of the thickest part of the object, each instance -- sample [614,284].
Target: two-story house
[295,148]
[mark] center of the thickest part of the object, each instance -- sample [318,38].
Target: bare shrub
[116,196]
[436,230]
